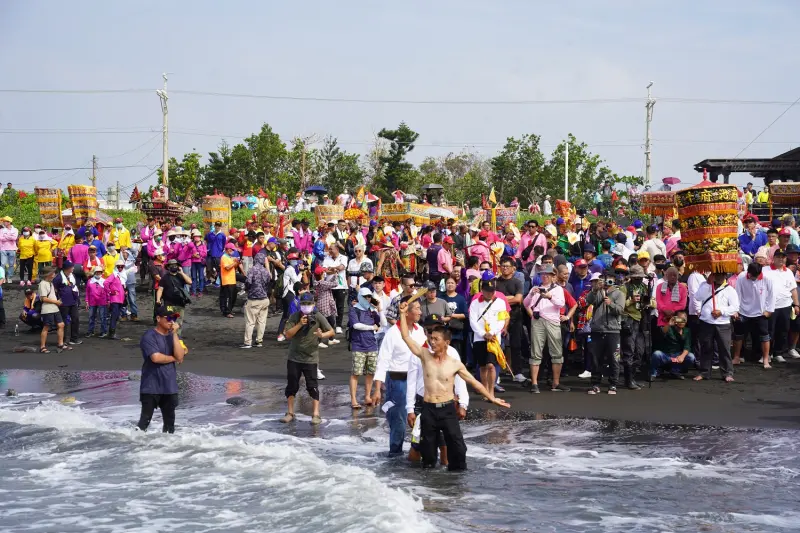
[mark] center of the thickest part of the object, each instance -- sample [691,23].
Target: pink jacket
[8,239]
[199,250]
[114,290]
[152,246]
[172,248]
[96,294]
[147,234]
[185,252]
[302,240]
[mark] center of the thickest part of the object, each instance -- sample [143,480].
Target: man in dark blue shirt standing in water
[161,349]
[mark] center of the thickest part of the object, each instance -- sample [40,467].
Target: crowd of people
[608,304]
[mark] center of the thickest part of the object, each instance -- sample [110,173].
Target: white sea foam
[268,481]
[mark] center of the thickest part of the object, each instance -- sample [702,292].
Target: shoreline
[758,398]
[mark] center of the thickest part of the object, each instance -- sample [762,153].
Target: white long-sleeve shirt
[394,355]
[416,383]
[727,304]
[696,279]
[783,284]
[495,317]
[755,296]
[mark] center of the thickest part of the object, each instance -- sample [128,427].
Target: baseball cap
[581,263]
[589,248]
[596,276]
[559,221]
[306,298]
[792,249]
[272,240]
[172,262]
[637,223]
[642,254]
[230,246]
[67,264]
[365,291]
[318,270]
[488,285]
[431,286]
[785,231]
[448,240]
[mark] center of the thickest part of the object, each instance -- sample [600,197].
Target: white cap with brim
[596,276]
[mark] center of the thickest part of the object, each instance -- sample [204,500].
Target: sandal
[729,379]
[355,406]
[64,347]
[44,349]
[698,378]
[316,420]
[288,417]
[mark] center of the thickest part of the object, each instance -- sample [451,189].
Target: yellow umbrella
[493,347]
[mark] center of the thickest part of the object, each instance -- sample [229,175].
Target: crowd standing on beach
[597,300]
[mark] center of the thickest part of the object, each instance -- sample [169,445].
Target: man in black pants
[609,304]
[161,349]
[438,407]
[512,288]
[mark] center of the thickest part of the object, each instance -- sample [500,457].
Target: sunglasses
[173,317]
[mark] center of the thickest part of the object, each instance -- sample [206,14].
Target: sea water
[81,465]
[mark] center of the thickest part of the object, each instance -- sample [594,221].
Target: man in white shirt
[336,263]
[716,303]
[653,245]
[354,267]
[392,369]
[693,283]
[491,310]
[785,287]
[756,305]
[416,391]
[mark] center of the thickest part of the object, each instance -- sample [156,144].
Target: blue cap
[637,223]
[306,298]
[559,221]
[272,240]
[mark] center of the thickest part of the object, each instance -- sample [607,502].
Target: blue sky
[411,50]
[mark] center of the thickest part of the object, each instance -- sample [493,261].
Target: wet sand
[758,398]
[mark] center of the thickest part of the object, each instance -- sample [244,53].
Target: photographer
[633,329]
[173,292]
[543,305]
[305,329]
[609,304]
[674,348]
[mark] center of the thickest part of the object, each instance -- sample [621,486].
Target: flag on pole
[492,197]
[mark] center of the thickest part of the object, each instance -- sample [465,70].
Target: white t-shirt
[782,283]
[341,275]
[290,277]
[355,266]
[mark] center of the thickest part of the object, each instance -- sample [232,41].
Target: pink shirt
[114,290]
[664,301]
[498,295]
[481,251]
[445,261]
[549,308]
[8,239]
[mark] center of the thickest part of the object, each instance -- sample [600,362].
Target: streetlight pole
[162,95]
[651,102]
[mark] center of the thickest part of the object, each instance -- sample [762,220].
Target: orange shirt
[227,275]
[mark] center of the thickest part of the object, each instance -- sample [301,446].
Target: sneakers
[259,345]
[612,390]
[559,388]
[281,338]
[779,359]
[320,375]
[322,345]
[28,283]
[794,354]
[21,283]
[76,342]
[594,390]
[519,378]
[585,374]
[632,385]
[338,330]
[245,346]
[498,389]
[334,341]
[90,335]
[534,388]
[714,367]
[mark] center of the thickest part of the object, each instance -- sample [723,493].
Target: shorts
[364,363]
[52,319]
[482,355]
[756,326]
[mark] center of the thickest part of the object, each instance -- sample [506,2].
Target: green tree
[303,164]
[587,173]
[269,159]
[519,169]
[184,177]
[218,175]
[339,171]
[397,171]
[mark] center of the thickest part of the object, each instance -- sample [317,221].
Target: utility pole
[651,102]
[117,195]
[162,95]
[94,171]
[566,170]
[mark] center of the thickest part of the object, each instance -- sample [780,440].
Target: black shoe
[632,385]
[559,388]
[76,342]
[674,375]
[534,388]
[90,335]
[259,345]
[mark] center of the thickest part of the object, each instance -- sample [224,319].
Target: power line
[616,100]
[67,169]
[768,127]
[148,141]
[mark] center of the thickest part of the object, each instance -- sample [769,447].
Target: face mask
[678,262]
[98,276]
[306,309]
[119,226]
[26,233]
[363,303]
[158,238]
[293,262]
[112,251]
[661,266]
[173,269]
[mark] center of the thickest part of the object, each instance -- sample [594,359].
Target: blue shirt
[157,378]
[749,245]
[580,285]
[362,340]
[101,248]
[606,259]
[458,306]
[216,243]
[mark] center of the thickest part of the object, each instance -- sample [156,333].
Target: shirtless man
[438,408]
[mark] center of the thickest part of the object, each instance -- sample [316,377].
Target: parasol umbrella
[411,197]
[440,212]
[317,189]
[432,187]
[670,181]
[371,197]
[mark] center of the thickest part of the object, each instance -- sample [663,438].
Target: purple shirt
[79,254]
